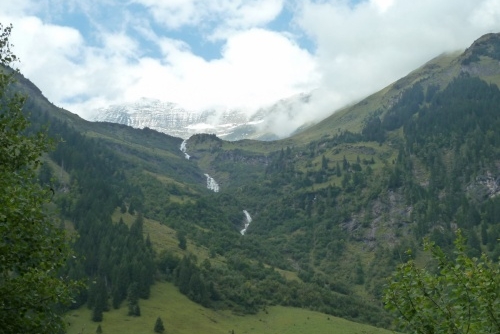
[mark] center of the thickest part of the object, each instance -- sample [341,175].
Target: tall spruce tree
[133,300]
[100,300]
[159,328]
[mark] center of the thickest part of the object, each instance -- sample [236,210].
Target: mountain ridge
[172,119]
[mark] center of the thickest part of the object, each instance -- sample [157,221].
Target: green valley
[333,208]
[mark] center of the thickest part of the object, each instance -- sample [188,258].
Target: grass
[164,238]
[180,315]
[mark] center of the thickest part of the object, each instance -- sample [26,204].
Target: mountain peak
[170,118]
[486,46]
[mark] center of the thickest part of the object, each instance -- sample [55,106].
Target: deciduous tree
[457,295]
[32,247]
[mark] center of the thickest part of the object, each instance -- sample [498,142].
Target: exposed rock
[484,187]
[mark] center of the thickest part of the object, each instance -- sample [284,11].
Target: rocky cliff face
[484,187]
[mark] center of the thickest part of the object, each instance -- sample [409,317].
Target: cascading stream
[247,224]
[211,184]
[184,149]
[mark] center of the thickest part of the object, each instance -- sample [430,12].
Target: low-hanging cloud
[359,47]
[366,46]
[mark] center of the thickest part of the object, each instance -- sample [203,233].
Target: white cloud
[223,14]
[360,48]
[382,5]
[257,67]
[363,47]
[45,51]
[487,15]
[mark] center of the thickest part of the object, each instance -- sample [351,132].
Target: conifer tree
[100,302]
[159,328]
[133,300]
[181,236]
[97,313]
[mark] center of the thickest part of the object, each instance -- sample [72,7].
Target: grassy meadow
[180,315]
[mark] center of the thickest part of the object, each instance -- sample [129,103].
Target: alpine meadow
[383,217]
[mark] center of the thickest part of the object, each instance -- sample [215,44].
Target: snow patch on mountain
[172,119]
[272,122]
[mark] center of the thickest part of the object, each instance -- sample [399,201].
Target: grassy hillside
[182,316]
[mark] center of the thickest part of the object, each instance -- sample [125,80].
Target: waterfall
[249,220]
[183,149]
[211,184]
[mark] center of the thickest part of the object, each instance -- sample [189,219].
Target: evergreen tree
[97,313]
[131,208]
[133,300]
[159,328]
[123,208]
[181,236]
[100,300]
[345,164]
[136,229]
[135,310]
[98,330]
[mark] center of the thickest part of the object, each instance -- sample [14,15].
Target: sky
[246,54]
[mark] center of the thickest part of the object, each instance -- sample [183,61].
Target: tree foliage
[457,295]
[159,328]
[32,248]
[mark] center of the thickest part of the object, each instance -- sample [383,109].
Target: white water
[184,149]
[211,184]
[249,220]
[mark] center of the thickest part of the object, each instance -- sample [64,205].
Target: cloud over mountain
[234,53]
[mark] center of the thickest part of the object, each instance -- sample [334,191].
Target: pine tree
[97,313]
[181,236]
[133,300]
[100,300]
[159,328]
[338,172]
[98,330]
[131,208]
[136,229]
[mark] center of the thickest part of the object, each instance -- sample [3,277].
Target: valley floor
[180,315]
